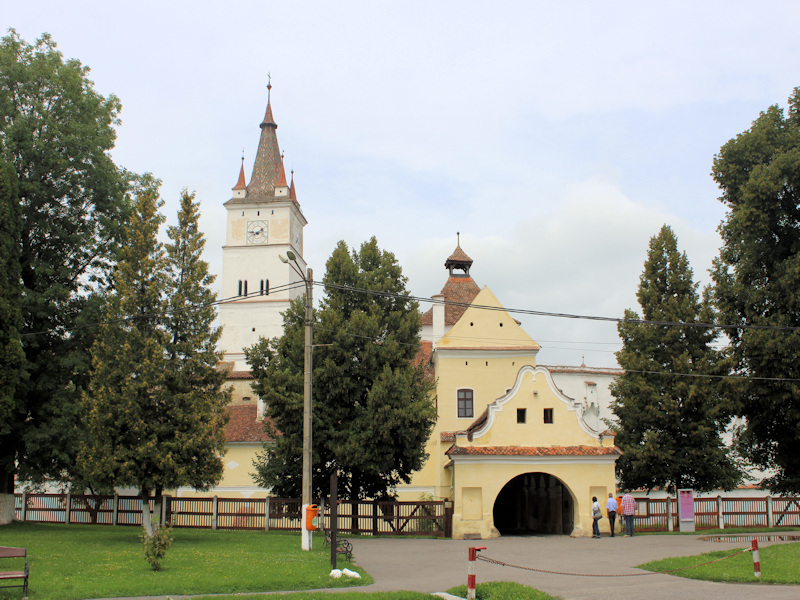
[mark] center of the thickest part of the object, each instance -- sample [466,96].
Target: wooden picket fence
[424,518]
[653,514]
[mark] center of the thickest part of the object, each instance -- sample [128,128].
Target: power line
[540,313]
[163,313]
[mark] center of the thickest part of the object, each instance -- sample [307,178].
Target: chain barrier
[500,563]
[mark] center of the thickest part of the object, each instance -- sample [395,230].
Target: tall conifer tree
[372,407]
[757,280]
[668,401]
[155,406]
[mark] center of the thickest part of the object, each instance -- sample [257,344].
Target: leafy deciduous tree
[372,411]
[11,355]
[757,278]
[56,131]
[668,401]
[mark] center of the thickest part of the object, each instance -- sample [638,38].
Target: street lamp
[308,279]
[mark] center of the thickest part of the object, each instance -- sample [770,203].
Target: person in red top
[628,511]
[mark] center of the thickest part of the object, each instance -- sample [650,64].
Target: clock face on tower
[257,232]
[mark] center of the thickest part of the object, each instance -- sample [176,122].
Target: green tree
[56,131]
[11,355]
[756,283]
[671,410]
[155,407]
[373,410]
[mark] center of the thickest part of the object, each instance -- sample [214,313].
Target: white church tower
[264,221]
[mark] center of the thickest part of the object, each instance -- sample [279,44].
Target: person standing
[596,516]
[628,511]
[611,509]
[619,513]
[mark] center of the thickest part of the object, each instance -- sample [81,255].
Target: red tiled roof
[240,185]
[423,357]
[533,450]
[240,375]
[458,256]
[243,426]
[460,290]
[447,436]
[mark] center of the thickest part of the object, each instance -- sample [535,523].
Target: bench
[6,552]
[343,546]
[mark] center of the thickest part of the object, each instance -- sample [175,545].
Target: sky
[556,137]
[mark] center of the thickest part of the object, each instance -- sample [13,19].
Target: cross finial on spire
[458,238]
[269,86]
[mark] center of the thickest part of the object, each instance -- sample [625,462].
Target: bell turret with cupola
[264,220]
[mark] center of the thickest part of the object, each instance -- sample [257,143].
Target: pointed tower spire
[292,193]
[282,175]
[268,164]
[240,185]
[458,259]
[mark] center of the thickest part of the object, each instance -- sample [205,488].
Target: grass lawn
[780,563]
[85,561]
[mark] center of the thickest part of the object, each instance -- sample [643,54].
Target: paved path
[430,565]
[437,565]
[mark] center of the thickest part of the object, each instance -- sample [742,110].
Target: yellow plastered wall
[488,353]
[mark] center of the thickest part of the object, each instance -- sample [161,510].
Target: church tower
[264,220]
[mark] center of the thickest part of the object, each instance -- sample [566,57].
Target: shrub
[156,545]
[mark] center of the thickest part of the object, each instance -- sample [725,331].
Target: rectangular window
[465,404]
[240,288]
[520,415]
[548,415]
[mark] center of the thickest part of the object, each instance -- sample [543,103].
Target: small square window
[521,415]
[548,415]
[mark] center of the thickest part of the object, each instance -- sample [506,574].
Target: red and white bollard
[756,561]
[473,557]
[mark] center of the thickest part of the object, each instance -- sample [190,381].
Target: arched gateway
[534,503]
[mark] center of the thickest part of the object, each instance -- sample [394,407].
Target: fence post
[670,525]
[769,511]
[24,506]
[214,512]
[720,518]
[448,518]
[266,514]
[473,557]
[375,517]
[115,508]
[68,512]
[756,561]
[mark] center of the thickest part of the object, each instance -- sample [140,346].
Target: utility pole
[308,279]
[307,370]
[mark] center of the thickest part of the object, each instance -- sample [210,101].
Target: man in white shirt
[612,509]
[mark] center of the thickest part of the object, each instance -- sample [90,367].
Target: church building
[509,448]
[264,222]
